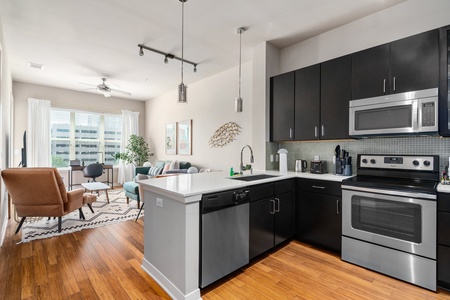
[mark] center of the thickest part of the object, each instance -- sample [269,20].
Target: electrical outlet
[276,158]
[271,157]
[159,202]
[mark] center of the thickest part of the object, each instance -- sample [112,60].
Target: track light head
[195,68]
[166,61]
[141,51]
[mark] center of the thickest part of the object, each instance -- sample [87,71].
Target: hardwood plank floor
[105,263]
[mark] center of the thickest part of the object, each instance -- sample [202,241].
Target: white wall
[210,105]
[402,20]
[5,124]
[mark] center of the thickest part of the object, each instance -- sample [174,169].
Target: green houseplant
[136,152]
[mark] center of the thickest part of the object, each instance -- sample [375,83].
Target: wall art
[224,135]
[185,137]
[171,138]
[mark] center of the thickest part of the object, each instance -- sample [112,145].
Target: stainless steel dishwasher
[224,243]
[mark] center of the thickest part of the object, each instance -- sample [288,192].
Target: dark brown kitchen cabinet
[282,107]
[272,215]
[443,247]
[319,206]
[404,65]
[444,81]
[322,94]
[335,94]
[307,103]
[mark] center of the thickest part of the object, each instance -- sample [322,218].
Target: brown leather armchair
[40,192]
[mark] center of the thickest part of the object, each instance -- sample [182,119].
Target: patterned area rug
[104,214]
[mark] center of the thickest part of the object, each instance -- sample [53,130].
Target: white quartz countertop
[188,185]
[443,188]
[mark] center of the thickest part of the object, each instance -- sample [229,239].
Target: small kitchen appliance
[283,160]
[318,167]
[389,216]
[301,165]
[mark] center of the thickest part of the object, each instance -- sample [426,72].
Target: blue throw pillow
[153,171]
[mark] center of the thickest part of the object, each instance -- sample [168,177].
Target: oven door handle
[390,192]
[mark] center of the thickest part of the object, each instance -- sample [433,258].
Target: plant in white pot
[136,152]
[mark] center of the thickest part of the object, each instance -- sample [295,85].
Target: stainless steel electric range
[389,216]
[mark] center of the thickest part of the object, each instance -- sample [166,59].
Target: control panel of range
[422,163]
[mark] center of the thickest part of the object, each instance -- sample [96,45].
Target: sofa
[131,188]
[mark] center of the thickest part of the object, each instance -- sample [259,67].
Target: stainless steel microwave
[398,114]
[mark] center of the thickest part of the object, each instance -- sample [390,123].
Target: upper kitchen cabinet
[405,65]
[444,82]
[322,94]
[307,103]
[335,94]
[282,95]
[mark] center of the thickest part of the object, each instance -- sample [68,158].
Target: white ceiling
[84,40]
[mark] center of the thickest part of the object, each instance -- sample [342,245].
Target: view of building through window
[89,137]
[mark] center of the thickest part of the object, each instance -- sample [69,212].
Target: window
[89,137]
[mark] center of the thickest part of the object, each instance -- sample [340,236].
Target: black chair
[93,171]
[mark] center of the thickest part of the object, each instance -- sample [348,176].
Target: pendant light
[182,88]
[238,102]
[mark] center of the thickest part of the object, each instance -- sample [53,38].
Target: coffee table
[97,187]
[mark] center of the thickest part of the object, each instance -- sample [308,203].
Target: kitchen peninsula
[172,224]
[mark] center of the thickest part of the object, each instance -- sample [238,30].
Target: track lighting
[167,56]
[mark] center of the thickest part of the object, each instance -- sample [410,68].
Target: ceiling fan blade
[88,84]
[121,92]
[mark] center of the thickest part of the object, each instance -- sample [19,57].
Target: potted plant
[136,152]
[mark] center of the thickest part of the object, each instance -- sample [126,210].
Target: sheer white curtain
[38,133]
[130,126]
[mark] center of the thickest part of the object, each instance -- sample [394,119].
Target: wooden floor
[105,263]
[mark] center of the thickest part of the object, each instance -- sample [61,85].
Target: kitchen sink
[253,177]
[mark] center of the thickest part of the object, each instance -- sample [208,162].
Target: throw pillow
[153,171]
[175,165]
[166,168]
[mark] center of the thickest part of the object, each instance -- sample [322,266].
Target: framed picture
[185,137]
[171,138]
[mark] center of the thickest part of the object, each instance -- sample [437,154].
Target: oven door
[403,223]
[397,117]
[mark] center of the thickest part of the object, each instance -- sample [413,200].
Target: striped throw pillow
[153,171]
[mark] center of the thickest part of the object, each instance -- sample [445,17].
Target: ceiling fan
[105,89]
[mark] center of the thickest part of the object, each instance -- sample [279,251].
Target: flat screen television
[24,150]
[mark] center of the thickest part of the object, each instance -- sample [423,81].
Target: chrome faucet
[251,159]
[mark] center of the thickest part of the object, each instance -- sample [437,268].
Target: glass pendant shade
[238,104]
[182,95]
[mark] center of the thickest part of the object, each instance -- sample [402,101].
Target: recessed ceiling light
[35,65]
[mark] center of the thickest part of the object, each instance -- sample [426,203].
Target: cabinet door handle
[337,207]
[277,209]
[273,206]
[323,130]
[384,86]
[318,187]
[315,131]
[291,133]
[394,83]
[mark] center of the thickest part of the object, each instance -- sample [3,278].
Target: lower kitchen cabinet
[272,215]
[443,247]
[319,213]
